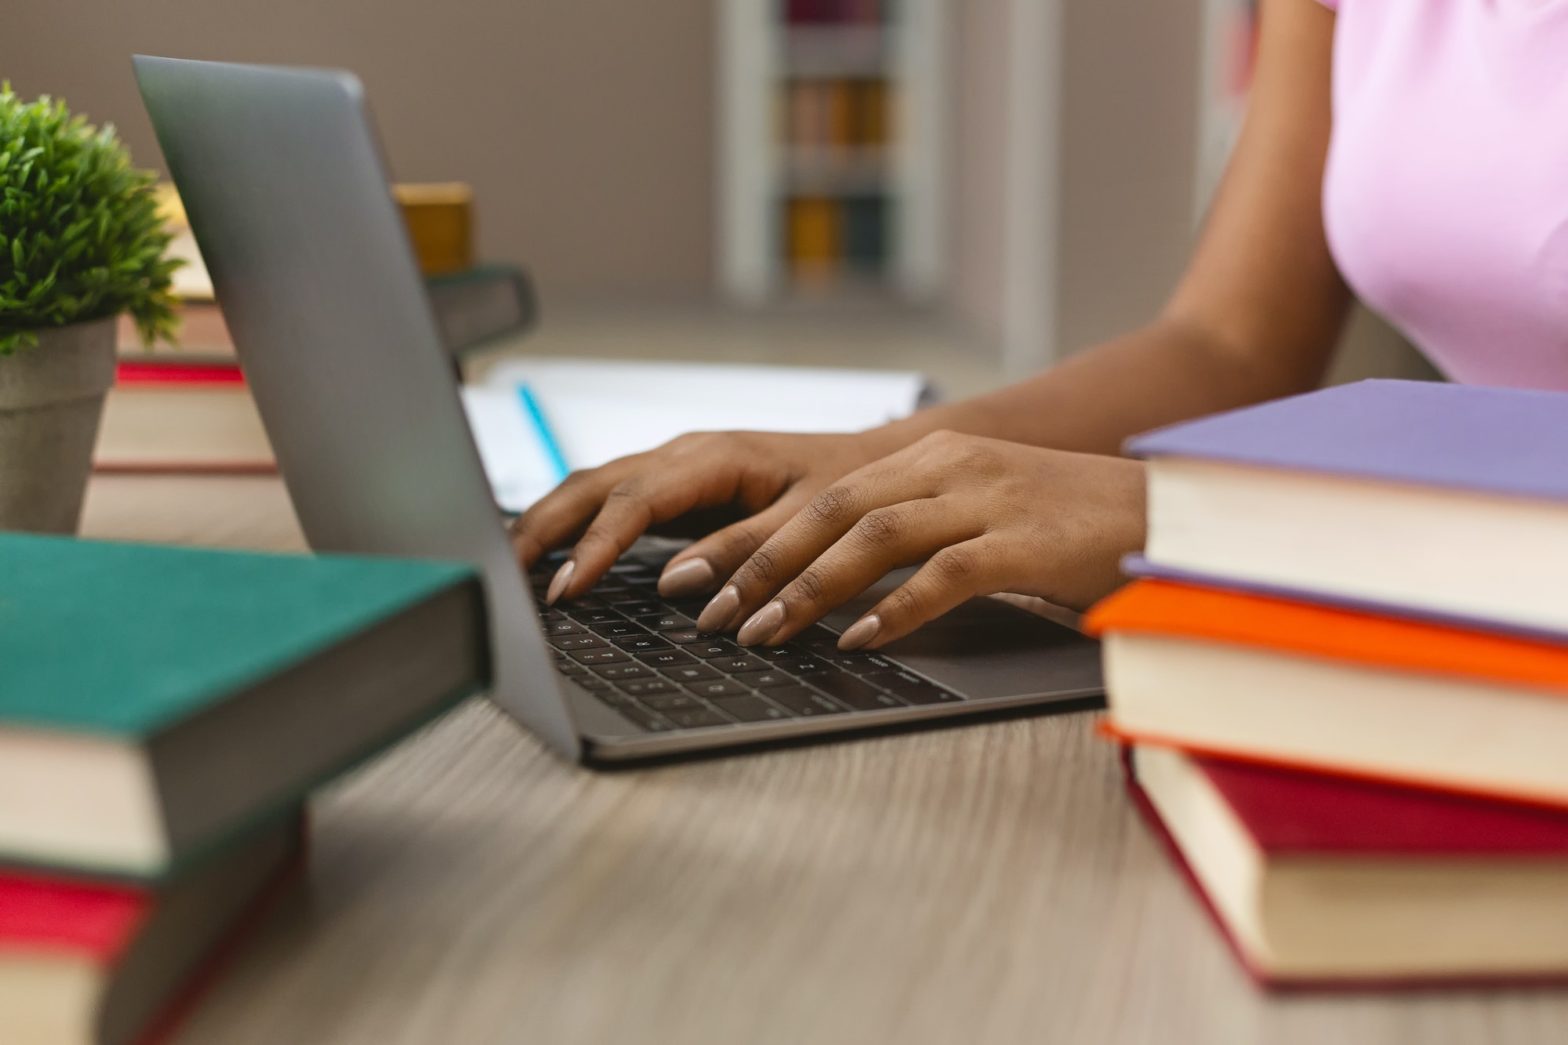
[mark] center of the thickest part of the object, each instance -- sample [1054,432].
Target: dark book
[866,233]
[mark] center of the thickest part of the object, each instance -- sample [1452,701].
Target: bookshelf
[830,149]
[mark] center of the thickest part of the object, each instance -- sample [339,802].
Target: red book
[1324,881]
[98,963]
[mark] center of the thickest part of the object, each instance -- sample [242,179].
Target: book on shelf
[1403,496]
[836,12]
[160,701]
[110,963]
[1319,881]
[814,237]
[1341,691]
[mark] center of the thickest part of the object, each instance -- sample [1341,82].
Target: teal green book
[155,702]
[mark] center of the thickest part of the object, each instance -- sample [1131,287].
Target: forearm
[1165,372]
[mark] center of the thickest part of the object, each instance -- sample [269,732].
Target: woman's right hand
[769,476]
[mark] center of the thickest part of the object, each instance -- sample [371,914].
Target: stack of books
[1343,679]
[836,104]
[163,714]
[186,407]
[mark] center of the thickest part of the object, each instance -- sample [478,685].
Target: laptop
[288,196]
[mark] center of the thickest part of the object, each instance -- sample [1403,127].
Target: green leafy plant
[80,233]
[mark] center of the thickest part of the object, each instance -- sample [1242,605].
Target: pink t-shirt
[1446,195]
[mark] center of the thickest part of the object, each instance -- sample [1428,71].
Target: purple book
[1493,440]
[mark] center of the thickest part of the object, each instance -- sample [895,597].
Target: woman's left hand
[984,515]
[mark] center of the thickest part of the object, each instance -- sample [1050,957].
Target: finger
[628,509]
[883,539]
[822,521]
[562,513]
[952,576]
[697,568]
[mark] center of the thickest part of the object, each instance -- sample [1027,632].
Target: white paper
[602,409]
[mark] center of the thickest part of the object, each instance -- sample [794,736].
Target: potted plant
[81,241]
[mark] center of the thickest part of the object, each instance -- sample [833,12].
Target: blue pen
[552,447]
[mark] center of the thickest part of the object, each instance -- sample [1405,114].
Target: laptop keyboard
[642,654]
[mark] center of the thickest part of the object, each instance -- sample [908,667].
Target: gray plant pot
[51,400]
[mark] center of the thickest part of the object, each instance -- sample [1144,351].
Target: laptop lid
[289,201]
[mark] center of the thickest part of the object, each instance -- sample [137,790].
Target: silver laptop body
[287,194]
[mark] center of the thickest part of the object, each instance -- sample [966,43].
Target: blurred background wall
[585,126]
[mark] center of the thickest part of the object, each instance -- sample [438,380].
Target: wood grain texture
[980,884]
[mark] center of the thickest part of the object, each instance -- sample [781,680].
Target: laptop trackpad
[987,648]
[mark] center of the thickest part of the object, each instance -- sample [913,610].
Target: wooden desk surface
[979,884]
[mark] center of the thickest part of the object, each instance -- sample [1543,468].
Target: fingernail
[861,632]
[717,615]
[558,583]
[762,625]
[686,578]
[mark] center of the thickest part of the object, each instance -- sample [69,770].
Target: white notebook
[603,409]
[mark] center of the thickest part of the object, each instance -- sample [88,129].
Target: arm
[1259,309]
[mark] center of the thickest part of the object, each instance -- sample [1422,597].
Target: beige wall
[584,125]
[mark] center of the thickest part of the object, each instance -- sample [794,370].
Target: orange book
[815,238]
[840,130]
[1276,680]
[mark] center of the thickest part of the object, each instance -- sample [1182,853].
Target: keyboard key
[715,688]
[670,701]
[802,665]
[804,702]
[592,683]
[639,609]
[646,689]
[665,622]
[576,642]
[641,643]
[562,627]
[570,667]
[712,649]
[739,665]
[684,636]
[748,708]
[646,719]
[622,672]
[691,673]
[860,663]
[598,656]
[611,628]
[592,615]
[665,658]
[776,652]
[696,718]
[768,679]
[625,566]
[857,693]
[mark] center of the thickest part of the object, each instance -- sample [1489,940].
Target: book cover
[1316,630]
[1490,440]
[122,639]
[1140,566]
[1290,813]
